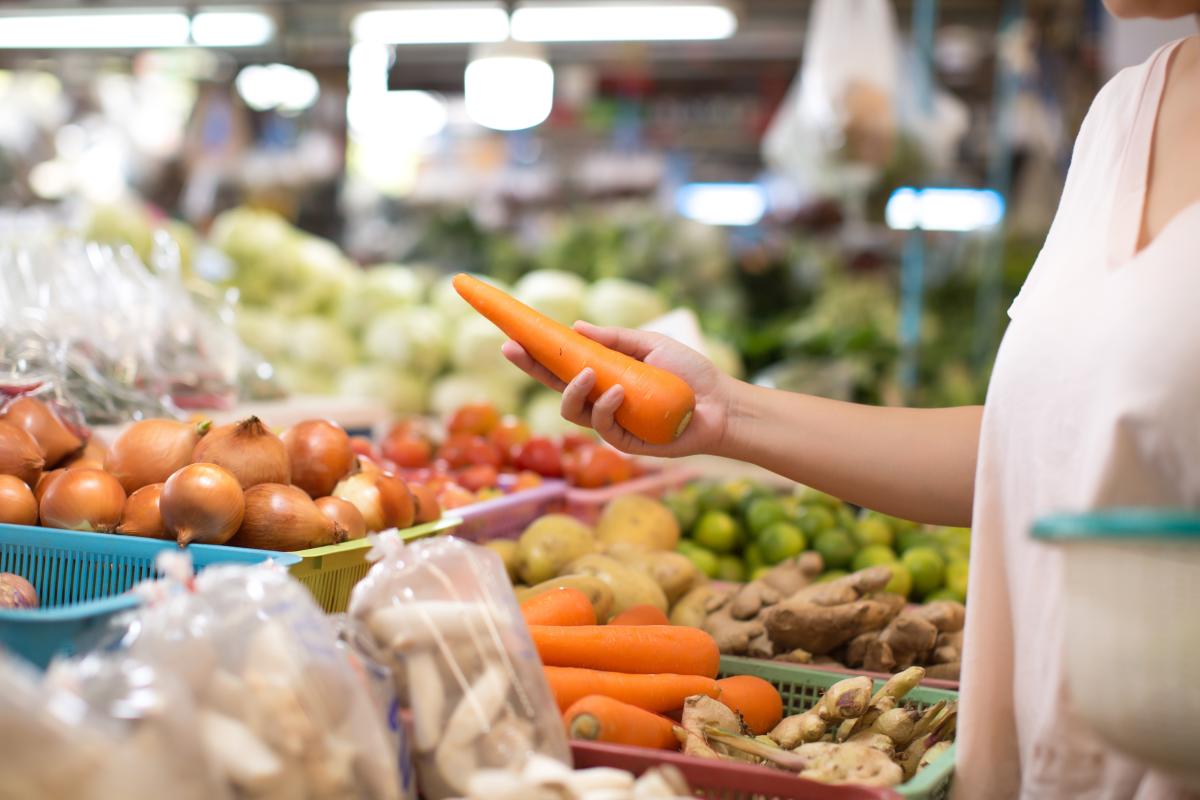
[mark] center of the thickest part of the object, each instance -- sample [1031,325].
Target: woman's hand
[714,390]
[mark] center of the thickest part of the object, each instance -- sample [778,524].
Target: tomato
[594,466]
[480,476]
[407,452]
[454,496]
[427,508]
[540,455]
[363,446]
[506,436]
[526,480]
[573,441]
[476,418]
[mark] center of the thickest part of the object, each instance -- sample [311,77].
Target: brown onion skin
[16,592]
[202,503]
[248,450]
[345,514]
[92,456]
[18,506]
[381,497]
[320,455]
[39,420]
[44,482]
[426,504]
[152,450]
[280,517]
[20,455]
[142,516]
[83,500]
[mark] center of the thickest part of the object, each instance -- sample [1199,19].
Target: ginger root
[733,636]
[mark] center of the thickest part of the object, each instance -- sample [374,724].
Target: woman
[1092,403]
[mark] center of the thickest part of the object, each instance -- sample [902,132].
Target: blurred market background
[217,203]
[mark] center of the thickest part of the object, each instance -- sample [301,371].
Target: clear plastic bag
[444,616]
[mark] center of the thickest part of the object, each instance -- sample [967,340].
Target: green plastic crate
[330,573]
[801,688]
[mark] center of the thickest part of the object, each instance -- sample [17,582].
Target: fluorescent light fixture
[277,86]
[473,22]
[391,116]
[509,87]
[99,29]
[232,28]
[722,203]
[944,209]
[623,22]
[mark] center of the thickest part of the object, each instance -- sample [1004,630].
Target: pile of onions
[83,500]
[383,499]
[345,515]
[142,515]
[248,450]
[200,503]
[92,456]
[53,437]
[16,592]
[44,483]
[20,455]
[18,506]
[320,454]
[280,517]
[151,451]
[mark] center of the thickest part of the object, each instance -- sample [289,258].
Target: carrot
[662,692]
[629,648]
[755,699]
[559,606]
[658,405]
[640,615]
[598,718]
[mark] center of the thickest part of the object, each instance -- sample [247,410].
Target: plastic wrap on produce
[443,614]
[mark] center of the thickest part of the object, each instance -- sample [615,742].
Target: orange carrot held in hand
[755,699]
[629,648]
[641,615]
[658,404]
[560,606]
[597,718]
[662,692]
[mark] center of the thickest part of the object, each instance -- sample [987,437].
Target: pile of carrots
[614,683]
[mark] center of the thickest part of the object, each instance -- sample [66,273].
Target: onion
[18,506]
[426,504]
[381,497]
[152,450]
[55,439]
[345,514]
[44,483]
[90,457]
[280,517]
[201,503]
[320,455]
[83,500]
[16,592]
[142,516]
[20,455]
[247,449]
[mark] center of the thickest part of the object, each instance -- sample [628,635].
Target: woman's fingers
[604,411]
[575,398]
[638,344]
[517,355]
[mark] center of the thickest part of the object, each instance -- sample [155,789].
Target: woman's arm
[914,463]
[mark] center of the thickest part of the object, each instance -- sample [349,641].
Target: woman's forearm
[918,464]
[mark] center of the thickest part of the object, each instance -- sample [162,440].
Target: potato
[549,544]
[675,573]
[507,550]
[630,587]
[597,591]
[638,520]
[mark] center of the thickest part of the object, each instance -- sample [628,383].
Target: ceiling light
[608,23]
[469,22]
[943,209]
[722,203]
[277,86]
[100,29]
[509,87]
[391,116]
[232,28]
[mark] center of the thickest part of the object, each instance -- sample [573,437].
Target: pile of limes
[735,530]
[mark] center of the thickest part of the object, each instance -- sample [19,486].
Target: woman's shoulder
[1110,117]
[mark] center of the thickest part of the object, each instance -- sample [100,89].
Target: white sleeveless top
[1094,402]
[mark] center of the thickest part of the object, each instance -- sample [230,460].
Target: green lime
[716,497]
[758,573]
[836,548]
[945,593]
[872,555]
[753,557]
[780,541]
[899,524]
[901,582]
[685,505]
[873,530]
[812,497]
[815,520]
[845,518]
[730,568]
[718,531]
[762,513]
[907,540]
[705,560]
[831,575]
[956,576]
[927,568]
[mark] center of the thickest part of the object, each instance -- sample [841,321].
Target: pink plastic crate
[586,504]
[506,517]
[721,780]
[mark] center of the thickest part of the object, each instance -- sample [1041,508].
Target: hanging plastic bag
[443,613]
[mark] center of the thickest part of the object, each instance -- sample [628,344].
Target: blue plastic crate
[82,579]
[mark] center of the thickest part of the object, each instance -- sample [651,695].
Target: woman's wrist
[736,433]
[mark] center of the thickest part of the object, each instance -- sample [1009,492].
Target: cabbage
[307,275]
[264,331]
[248,235]
[557,294]
[319,342]
[403,394]
[412,339]
[446,300]
[477,344]
[459,388]
[727,359]
[622,303]
[305,379]
[544,415]
[382,288]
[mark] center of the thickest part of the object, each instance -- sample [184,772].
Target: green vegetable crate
[331,572]
[801,688]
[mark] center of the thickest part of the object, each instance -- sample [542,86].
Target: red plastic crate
[506,517]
